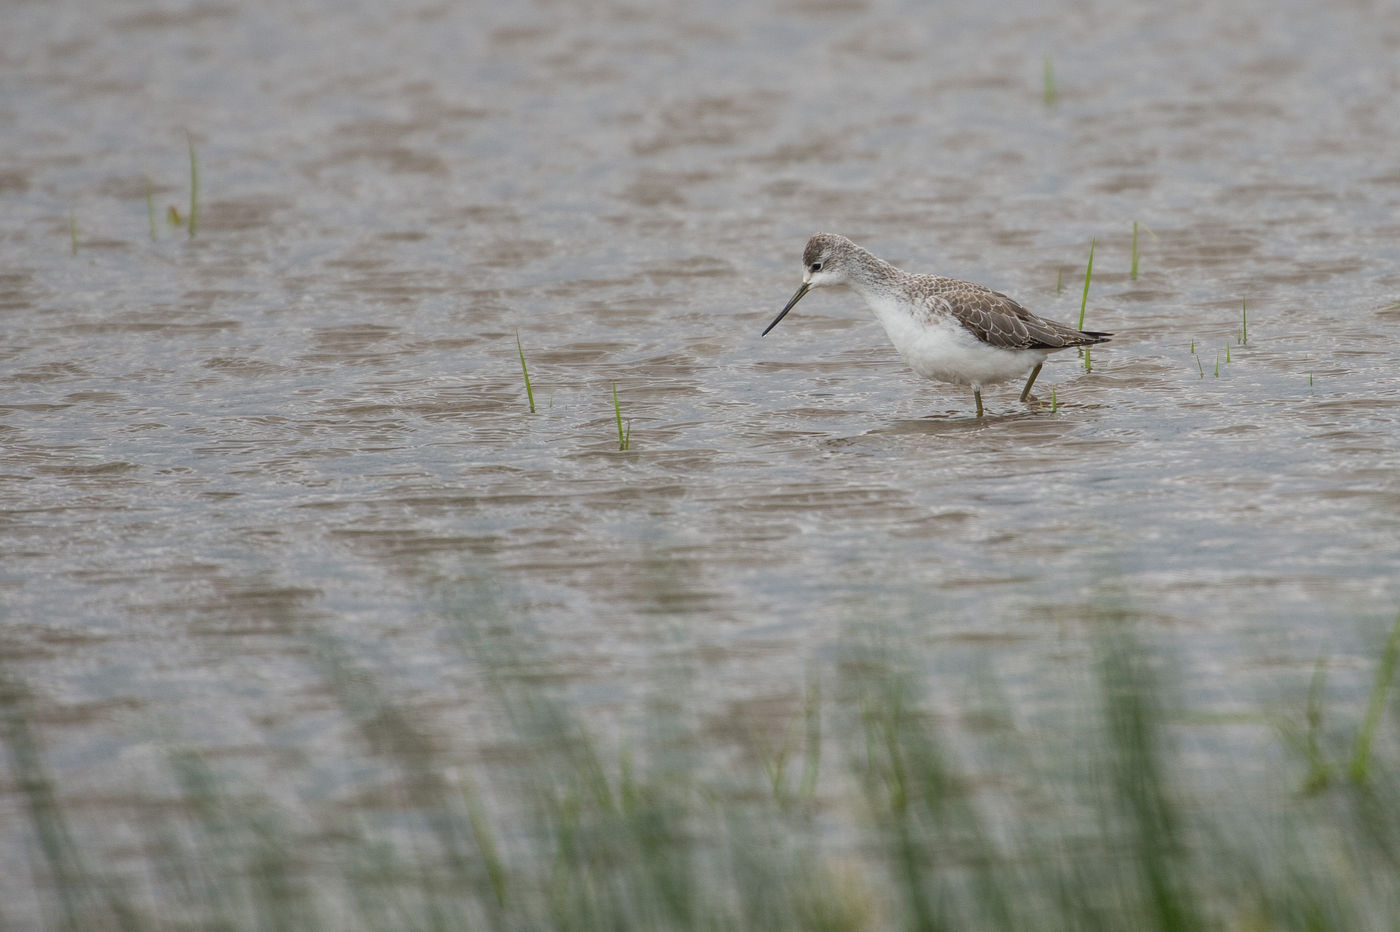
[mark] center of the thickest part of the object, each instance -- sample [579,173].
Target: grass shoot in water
[524,370]
[775,761]
[1244,323]
[1084,301]
[73,231]
[1048,93]
[1095,827]
[1088,274]
[1319,768]
[1385,672]
[624,437]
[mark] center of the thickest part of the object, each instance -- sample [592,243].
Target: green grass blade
[624,437]
[1088,275]
[73,230]
[1244,323]
[1049,94]
[486,843]
[529,392]
[1155,837]
[1319,771]
[35,793]
[812,752]
[1084,301]
[1385,672]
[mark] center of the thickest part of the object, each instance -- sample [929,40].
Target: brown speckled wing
[1000,321]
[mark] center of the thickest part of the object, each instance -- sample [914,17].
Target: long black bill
[795,298]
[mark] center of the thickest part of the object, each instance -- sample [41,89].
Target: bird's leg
[1026,392]
[977,396]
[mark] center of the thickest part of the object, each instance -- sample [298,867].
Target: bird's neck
[872,276]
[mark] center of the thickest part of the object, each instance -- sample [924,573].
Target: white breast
[936,346]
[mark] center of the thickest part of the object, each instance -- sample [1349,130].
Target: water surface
[308,420]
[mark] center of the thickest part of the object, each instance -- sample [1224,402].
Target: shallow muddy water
[310,415]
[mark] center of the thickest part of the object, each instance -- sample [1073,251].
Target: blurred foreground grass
[870,813]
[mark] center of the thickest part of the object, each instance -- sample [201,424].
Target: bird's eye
[816,266]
